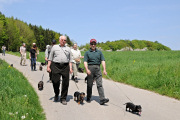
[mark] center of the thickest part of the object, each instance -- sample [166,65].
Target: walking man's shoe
[64,102]
[105,100]
[55,98]
[88,100]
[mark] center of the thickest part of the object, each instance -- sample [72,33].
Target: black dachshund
[133,108]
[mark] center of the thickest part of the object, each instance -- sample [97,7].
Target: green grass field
[158,71]
[18,100]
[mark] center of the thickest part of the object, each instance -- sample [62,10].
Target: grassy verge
[18,100]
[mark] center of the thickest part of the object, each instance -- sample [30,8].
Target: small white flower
[25,95]
[16,112]
[10,113]
[23,117]
[26,113]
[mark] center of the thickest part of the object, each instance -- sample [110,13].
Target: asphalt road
[154,106]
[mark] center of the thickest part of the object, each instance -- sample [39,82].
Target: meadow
[18,100]
[157,71]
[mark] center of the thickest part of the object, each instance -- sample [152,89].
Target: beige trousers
[23,59]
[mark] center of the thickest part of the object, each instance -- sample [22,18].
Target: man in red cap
[92,60]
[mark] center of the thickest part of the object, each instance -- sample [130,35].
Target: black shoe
[56,98]
[75,79]
[105,100]
[72,78]
[88,100]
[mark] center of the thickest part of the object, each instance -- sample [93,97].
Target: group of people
[63,61]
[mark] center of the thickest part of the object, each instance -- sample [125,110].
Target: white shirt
[75,54]
[60,54]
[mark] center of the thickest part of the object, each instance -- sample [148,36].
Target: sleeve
[70,56]
[46,53]
[86,57]
[102,56]
[51,54]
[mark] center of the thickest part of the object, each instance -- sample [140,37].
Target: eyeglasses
[93,43]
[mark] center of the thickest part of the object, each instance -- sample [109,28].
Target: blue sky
[81,20]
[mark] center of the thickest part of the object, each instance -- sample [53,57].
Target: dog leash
[119,88]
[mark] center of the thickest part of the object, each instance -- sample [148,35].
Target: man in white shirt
[76,55]
[23,54]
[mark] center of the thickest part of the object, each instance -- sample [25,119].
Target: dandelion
[23,117]
[134,61]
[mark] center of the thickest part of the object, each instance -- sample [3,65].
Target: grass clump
[18,100]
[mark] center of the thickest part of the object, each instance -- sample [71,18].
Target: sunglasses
[93,43]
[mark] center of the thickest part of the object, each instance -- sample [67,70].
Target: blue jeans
[3,52]
[33,63]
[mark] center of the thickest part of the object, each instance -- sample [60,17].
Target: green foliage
[134,44]
[17,97]
[14,32]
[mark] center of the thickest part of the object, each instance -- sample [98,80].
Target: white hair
[47,46]
[61,36]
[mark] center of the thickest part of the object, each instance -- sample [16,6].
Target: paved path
[154,106]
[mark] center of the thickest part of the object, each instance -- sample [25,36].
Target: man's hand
[105,73]
[71,71]
[88,72]
[48,69]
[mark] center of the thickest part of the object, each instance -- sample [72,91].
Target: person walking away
[33,57]
[3,50]
[60,60]
[23,54]
[92,60]
[47,53]
[76,55]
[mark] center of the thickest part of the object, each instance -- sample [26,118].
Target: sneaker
[64,102]
[105,100]
[56,98]
[88,100]
[75,79]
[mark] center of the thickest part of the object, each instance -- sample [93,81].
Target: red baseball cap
[93,40]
